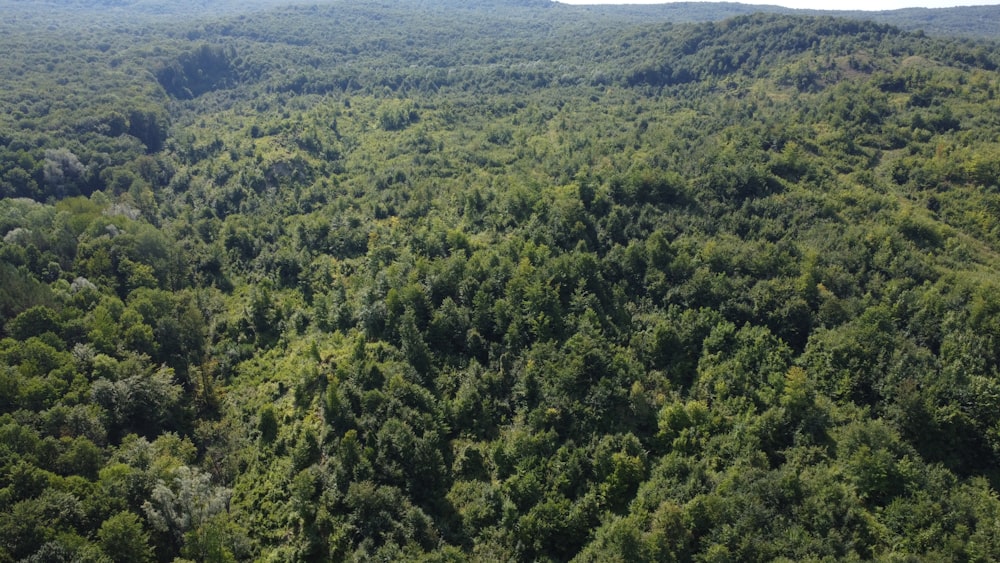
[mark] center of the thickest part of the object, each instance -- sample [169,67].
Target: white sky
[825,4]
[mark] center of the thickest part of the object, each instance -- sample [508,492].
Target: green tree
[123,539]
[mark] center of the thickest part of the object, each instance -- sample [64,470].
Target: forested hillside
[495,281]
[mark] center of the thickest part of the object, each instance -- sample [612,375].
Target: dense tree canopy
[499,280]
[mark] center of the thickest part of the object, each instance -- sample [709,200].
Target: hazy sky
[825,4]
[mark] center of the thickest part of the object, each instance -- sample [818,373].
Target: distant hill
[968,21]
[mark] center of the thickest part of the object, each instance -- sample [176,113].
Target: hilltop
[981,22]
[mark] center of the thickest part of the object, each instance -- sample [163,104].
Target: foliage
[503,280]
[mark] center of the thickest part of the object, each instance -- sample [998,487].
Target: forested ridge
[495,280]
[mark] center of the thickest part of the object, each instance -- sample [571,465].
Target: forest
[497,280]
